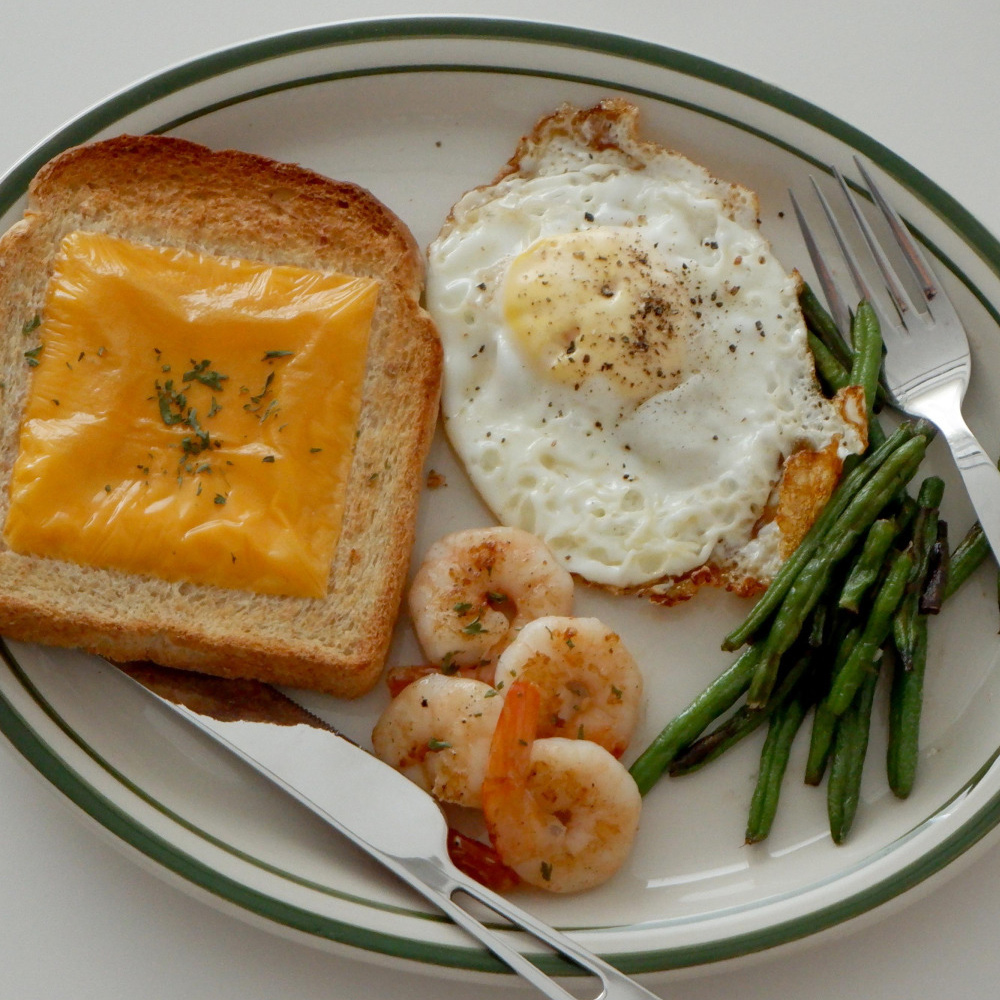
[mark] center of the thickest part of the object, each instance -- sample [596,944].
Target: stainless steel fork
[927,362]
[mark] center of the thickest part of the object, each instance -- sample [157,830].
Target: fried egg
[626,364]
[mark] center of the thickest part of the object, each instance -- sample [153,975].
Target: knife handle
[438,880]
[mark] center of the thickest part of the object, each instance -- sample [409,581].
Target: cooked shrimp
[437,730]
[591,686]
[561,813]
[476,588]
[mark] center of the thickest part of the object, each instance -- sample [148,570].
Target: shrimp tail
[517,726]
[505,786]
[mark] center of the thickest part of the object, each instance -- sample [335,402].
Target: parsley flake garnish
[200,441]
[474,627]
[200,372]
[177,410]
[172,404]
[256,402]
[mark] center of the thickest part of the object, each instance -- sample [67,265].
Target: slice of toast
[172,192]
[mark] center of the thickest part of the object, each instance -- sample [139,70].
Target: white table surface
[80,919]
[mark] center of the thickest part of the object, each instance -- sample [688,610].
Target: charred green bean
[784,725]
[878,625]
[689,724]
[869,563]
[738,726]
[848,758]
[866,360]
[905,709]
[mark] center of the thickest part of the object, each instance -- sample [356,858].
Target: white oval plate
[418,111]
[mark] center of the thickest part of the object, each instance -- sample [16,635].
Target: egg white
[628,483]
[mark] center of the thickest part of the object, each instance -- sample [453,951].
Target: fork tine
[861,286]
[834,300]
[921,270]
[896,291]
[938,303]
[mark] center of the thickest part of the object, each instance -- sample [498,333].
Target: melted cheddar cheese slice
[191,417]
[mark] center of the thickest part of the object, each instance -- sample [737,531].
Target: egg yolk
[591,304]
[191,417]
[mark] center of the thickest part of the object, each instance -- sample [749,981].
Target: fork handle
[439,881]
[979,473]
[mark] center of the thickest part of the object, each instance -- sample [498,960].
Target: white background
[77,917]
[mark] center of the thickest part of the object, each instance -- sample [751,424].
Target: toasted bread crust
[173,192]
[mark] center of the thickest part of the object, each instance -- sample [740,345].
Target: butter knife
[388,817]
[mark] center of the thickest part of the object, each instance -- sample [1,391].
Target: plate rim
[491,30]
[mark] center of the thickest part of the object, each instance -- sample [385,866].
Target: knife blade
[368,802]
